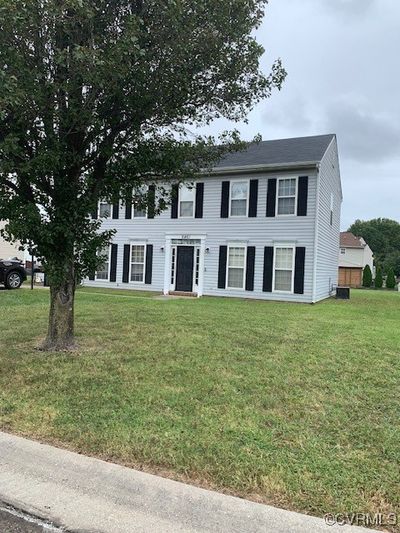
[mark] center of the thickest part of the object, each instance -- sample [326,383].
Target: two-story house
[263,224]
[354,255]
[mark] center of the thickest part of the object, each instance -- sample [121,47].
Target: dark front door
[184,268]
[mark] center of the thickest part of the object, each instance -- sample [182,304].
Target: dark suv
[12,273]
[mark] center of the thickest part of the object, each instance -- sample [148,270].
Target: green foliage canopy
[383,237]
[95,99]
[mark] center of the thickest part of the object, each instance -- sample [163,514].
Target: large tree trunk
[60,335]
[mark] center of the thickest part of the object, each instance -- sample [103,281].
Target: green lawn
[291,404]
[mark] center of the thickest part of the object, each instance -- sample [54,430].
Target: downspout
[314,285]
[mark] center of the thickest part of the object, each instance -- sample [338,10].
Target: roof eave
[260,168]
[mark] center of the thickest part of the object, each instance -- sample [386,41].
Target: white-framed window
[187,197]
[343,251]
[140,211]
[286,196]
[283,268]
[239,198]
[105,209]
[137,263]
[103,270]
[236,266]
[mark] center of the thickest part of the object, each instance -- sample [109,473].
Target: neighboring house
[263,224]
[8,250]
[354,255]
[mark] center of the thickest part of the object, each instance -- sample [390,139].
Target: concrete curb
[84,494]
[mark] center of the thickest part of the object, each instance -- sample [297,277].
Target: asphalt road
[14,524]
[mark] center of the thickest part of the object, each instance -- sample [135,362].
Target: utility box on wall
[343,293]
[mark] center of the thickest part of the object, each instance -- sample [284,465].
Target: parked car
[12,273]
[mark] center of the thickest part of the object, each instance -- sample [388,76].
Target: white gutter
[261,167]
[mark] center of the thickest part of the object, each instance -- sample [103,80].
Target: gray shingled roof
[280,152]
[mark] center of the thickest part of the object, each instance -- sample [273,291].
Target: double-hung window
[105,209]
[186,201]
[239,198]
[236,266]
[283,269]
[103,270]
[137,262]
[286,197]
[140,211]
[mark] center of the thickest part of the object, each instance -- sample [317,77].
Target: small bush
[390,280]
[367,277]
[378,279]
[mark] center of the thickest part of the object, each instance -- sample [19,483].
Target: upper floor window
[186,201]
[342,251]
[105,209]
[137,262]
[236,266]
[239,198]
[103,270]
[283,269]
[140,211]
[286,196]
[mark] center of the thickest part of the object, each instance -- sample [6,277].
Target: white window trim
[278,246]
[194,189]
[144,262]
[236,245]
[295,198]
[247,199]
[98,209]
[134,208]
[109,267]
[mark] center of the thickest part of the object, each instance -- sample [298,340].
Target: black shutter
[149,264]
[223,252]
[128,206]
[253,200]
[271,197]
[174,201]
[113,264]
[91,276]
[251,255]
[199,200]
[151,201]
[125,269]
[299,270]
[94,213]
[302,196]
[225,199]
[268,267]
[115,211]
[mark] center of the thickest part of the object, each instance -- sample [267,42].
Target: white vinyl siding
[286,197]
[186,201]
[236,267]
[103,271]
[137,263]
[239,198]
[283,276]
[234,231]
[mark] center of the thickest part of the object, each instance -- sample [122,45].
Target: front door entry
[184,268]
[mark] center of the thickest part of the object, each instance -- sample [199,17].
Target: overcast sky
[342,59]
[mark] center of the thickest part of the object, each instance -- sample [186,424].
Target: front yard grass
[289,404]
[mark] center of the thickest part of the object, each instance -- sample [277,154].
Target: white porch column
[167,267]
[201,267]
